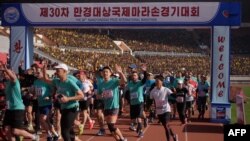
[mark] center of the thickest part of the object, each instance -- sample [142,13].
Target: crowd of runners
[31,101]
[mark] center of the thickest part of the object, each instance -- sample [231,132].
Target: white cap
[150,73]
[62,66]
[180,81]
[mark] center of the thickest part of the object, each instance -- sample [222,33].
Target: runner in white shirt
[160,95]
[87,88]
[189,98]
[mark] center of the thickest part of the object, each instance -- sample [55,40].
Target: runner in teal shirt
[13,96]
[108,91]
[14,114]
[68,94]
[135,87]
[136,92]
[179,77]
[67,88]
[43,92]
[72,85]
[98,103]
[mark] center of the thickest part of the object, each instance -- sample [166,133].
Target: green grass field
[247,107]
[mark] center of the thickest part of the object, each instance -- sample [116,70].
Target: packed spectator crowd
[171,40]
[78,38]
[156,64]
[168,40]
[158,40]
[240,65]
[89,60]
[159,64]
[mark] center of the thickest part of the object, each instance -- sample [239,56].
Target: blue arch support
[219,16]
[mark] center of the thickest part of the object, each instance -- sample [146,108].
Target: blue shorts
[45,110]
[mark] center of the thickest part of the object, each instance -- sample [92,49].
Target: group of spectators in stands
[78,38]
[169,40]
[157,64]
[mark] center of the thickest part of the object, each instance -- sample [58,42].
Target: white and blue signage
[122,14]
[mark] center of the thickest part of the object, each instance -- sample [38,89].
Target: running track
[194,131]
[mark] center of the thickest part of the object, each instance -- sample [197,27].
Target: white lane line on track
[144,133]
[90,138]
[186,134]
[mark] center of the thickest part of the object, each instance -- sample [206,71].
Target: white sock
[34,137]
[56,134]
[49,134]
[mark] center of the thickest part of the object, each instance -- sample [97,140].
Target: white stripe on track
[90,138]
[186,134]
[144,133]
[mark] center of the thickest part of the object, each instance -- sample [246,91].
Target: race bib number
[8,104]
[160,104]
[180,99]
[39,91]
[147,90]
[189,98]
[133,96]
[107,94]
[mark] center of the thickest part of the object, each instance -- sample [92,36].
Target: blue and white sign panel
[17,46]
[220,64]
[122,14]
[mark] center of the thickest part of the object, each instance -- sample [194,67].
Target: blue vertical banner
[21,47]
[221,110]
[17,46]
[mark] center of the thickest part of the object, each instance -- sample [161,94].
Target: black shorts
[136,111]
[2,92]
[172,98]
[149,102]
[98,104]
[84,105]
[56,104]
[27,101]
[164,118]
[14,118]
[35,105]
[189,104]
[111,112]
[2,102]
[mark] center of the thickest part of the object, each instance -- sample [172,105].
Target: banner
[21,47]
[220,64]
[125,14]
[220,113]
[17,46]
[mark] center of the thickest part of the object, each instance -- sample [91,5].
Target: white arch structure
[219,16]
